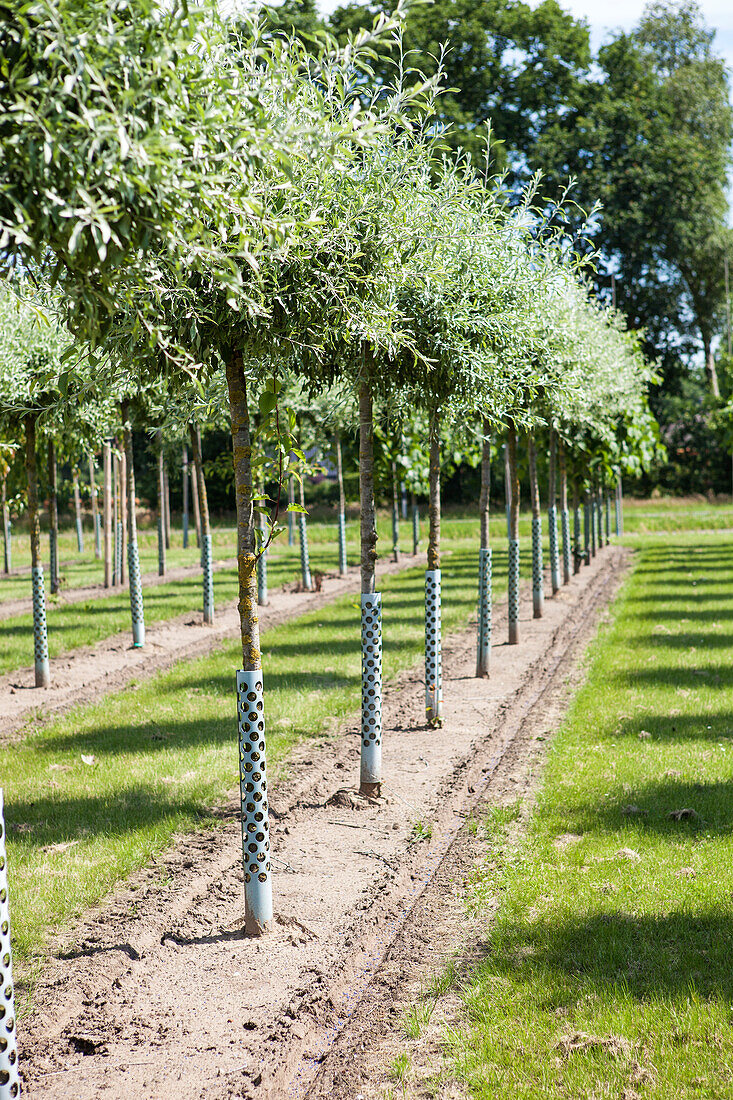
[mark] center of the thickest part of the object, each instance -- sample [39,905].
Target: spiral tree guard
[554,551]
[538,594]
[40,632]
[513,591]
[136,596]
[253,792]
[343,564]
[565,528]
[262,595]
[371,692]
[305,566]
[9,1081]
[483,645]
[433,655]
[208,570]
[415,528]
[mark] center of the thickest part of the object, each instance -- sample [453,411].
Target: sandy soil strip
[160,994]
[89,672]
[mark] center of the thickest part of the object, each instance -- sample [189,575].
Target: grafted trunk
[107,513]
[53,516]
[40,637]
[251,721]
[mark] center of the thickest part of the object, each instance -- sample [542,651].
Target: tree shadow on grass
[647,809]
[645,956]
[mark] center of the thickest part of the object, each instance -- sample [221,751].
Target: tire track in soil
[158,992]
[90,672]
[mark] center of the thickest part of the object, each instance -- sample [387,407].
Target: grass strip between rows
[607,966]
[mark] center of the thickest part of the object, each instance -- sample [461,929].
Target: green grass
[163,752]
[607,968]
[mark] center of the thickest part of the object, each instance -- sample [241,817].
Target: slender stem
[511,451]
[434,488]
[484,497]
[203,499]
[366,490]
[246,539]
[161,507]
[534,487]
[34,521]
[339,471]
[107,513]
[53,517]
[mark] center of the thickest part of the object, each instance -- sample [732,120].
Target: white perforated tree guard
[305,567]
[433,653]
[513,591]
[371,689]
[554,550]
[538,594]
[207,565]
[40,632]
[262,594]
[253,792]
[136,596]
[483,643]
[9,1082]
[565,528]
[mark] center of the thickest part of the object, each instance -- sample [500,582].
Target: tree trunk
[207,560]
[95,508]
[184,494]
[133,559]
[395,515]
[77,511]
[167,504]
[124,545]
[107,513]
[250,696]
[512,482]
[371,608]
[161,507]
[40,636]
[552,514]
[507,490]
[53,517]
[483,645]
[195,503]
[343,564]
[6,526]
[710,370]
[538,595]
[564,515]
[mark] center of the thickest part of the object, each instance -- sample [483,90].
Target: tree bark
[107,513]
[343,566]
[710,370]
[366,490]
[485,484]
[195,503]
[53,515]
[184,494]
[167,503]
[246,538]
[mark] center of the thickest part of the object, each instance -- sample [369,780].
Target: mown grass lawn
[607,969]
[161,754]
